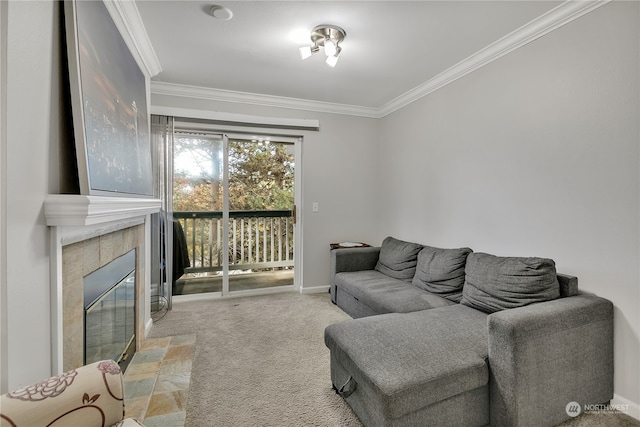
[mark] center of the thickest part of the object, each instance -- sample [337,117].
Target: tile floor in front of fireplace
[156,383]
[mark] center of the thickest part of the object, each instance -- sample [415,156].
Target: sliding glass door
[198,209]
[261,200]
[233,213]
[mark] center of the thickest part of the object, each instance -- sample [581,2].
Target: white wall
[33,132]
[339,167]
[536,154]
[3,207]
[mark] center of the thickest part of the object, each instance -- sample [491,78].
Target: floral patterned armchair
[92,395]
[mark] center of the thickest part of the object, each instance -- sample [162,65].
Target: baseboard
[315,290]
[626,406]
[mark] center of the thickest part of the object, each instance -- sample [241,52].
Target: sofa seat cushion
[383,294]
[398,258]
[495,283]
[407,361]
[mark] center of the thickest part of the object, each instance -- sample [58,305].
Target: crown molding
[127,18]
[210,94]
[544,24]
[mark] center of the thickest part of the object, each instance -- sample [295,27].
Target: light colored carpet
[261,361]
[601,419]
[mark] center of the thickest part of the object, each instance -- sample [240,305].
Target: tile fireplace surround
[87,232]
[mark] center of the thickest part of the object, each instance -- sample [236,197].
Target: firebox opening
[110,311]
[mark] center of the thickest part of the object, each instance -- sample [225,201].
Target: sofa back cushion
[497,283]
[398,258]
[441,271]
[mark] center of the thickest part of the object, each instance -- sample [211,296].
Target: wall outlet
[315,206]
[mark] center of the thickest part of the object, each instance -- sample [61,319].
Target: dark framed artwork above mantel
[109,105]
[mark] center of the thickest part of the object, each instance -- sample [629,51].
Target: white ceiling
[391,46]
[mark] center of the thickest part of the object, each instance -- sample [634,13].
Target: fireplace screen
[109,299]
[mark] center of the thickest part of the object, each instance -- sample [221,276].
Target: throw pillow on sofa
[497,283]
[441,271]
[398,258]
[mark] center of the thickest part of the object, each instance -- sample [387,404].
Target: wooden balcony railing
[257,239]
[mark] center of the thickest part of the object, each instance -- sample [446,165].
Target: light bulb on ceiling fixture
[305,52]
[330,47]
[333,59]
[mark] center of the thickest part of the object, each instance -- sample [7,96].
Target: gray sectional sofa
[451,337]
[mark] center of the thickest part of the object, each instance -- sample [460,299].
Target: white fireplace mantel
[78,210]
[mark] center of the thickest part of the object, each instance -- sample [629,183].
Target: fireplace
[110,311]
[88,233]
[80,261]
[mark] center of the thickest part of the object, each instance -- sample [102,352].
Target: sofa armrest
[91,395]
[568,285]
[546,355]
[351,259]
[354,259]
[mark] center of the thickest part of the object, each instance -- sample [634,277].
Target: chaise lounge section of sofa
[452,337]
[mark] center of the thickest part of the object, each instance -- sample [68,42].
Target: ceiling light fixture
[329,37]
